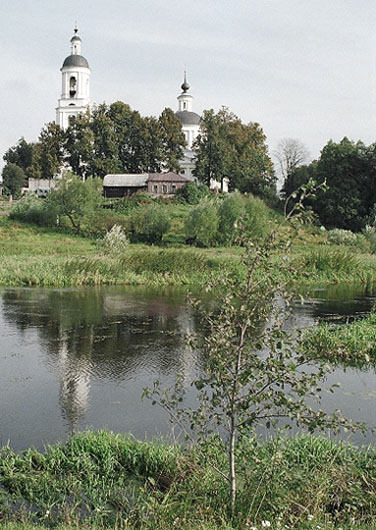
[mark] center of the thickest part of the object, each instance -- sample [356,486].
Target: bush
[257,222]
[202,224]
[115,241]
[229,212]
[192,193]
[338,236]
[100,221]
[150,223]
[31,209]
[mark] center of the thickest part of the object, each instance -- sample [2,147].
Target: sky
[302,69]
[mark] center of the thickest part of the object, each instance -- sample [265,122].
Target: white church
[75,99]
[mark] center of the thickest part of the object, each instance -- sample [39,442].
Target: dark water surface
[72,359]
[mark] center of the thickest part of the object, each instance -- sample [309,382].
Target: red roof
[166,177]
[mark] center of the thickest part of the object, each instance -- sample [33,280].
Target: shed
[124,184]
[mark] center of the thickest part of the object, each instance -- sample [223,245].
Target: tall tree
[20,154]
[349,170]
[291,154]
[14,179]
[48,154]
[228,148]
[172,140]
[79,145]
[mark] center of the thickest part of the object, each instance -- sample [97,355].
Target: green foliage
[229,211]
[252,371]
[324,259]
[150,224]
[31,209]
[48,152]
[257,223]
[74,198]
[352,344]
[99,480]
[21,154]
[116,139]
[228,148]
[202,223]
[14,179]
[192,193]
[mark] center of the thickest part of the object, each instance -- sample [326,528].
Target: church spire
[75,42]
[185,86]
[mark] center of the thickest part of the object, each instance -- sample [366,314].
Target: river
[78,358]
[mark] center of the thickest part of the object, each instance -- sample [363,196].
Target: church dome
[76,60]
[188,118]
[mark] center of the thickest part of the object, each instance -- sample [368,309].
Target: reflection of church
[75,98]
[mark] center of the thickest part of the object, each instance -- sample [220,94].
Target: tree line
[116,139]
[348,170]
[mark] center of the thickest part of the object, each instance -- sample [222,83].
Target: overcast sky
[303,69]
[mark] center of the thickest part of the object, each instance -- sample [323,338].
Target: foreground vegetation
[103,480]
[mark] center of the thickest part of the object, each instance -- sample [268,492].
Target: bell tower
[75,92]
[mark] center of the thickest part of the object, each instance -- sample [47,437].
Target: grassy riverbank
[102,480]
[34,256]
[353,344]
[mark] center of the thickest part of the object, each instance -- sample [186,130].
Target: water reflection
[73,358]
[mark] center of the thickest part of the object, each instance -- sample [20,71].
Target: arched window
[72,86]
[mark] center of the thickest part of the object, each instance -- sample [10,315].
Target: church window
[155,188]
[173,188]
[164,188]
[185,105]
[72,87]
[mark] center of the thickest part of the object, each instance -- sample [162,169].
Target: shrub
[115,241]
[192,193]
[338,236]
[257,221]
[31,209]
[229,212]
[74,198]
[202,223]
[149,224]
[100,221]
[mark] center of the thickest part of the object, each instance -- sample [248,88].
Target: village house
[156,184]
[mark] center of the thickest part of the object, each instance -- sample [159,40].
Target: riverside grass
[34,256]
[352,344]
[102,480]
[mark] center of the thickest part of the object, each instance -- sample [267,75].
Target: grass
[31,255]
[103,480]
[353,344]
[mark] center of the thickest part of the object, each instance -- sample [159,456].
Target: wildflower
[266,524]
[309,517]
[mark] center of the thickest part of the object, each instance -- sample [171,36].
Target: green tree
[349,170]
[105,156]
[74,198]
[192,193]
[172,140]
[226,147]
[48,153]
[213,151]
[21,154]
[253,372]
[14,179]
[229,211]
[150,223]
[202,223]
[79,145]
